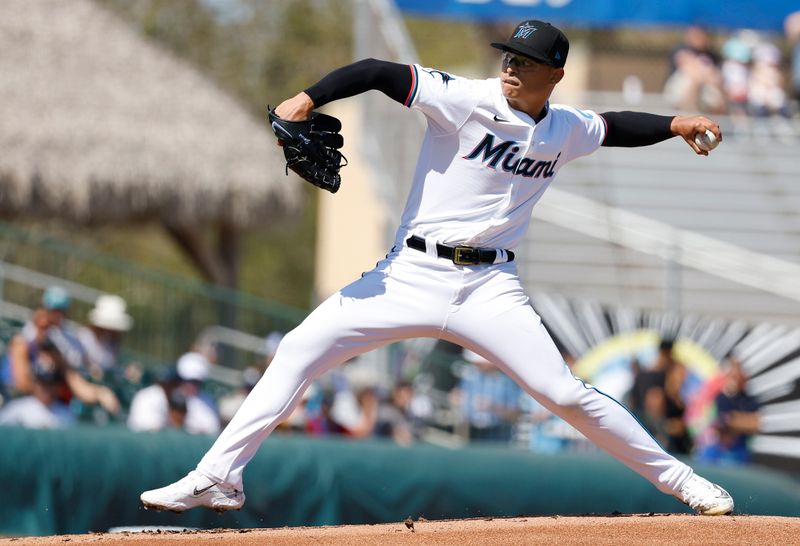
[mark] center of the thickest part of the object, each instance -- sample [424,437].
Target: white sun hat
[110,313]
[193,367]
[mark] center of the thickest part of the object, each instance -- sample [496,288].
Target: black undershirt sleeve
[392,79]
[630,129]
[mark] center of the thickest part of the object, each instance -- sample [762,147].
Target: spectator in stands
[317,412]
[695,81]
[43,408]
[678,438]
[766,95]
[45,335]
[489,400]
[17,370]
[737,419]
[56,302]
[394,416]
[792,27]
[202,416]
[737,55]
[150,408]
[354,413]
[423,407]
[101,340]
[656,399]
[645,378]
[177,409]
[653,415]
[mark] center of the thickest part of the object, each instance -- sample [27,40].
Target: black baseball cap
[538,40]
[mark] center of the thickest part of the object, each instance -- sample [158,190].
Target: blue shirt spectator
[737,420]
[489,400]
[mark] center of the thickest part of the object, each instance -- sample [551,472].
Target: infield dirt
[625,529]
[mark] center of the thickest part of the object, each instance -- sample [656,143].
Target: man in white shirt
[153,407]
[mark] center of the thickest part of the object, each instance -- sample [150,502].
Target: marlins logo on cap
[539,41]
[524,30]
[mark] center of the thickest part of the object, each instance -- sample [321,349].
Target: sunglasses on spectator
[521,62]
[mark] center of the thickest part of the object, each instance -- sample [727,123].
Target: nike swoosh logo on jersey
[203,490]
[499,119]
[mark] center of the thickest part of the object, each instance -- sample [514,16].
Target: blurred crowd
[49,366]
[750,78]
[664,400]
[56,373]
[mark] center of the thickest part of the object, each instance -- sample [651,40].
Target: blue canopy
[721,14]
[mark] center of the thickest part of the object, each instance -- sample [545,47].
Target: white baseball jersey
[483,165]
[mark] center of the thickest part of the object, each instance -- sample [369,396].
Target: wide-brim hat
[110,313]
[538,40]
[193,367]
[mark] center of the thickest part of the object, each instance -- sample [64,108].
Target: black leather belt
[459,255]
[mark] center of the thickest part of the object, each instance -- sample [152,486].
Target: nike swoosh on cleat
[203,490]
[499,119]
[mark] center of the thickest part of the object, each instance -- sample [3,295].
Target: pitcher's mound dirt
[616,530]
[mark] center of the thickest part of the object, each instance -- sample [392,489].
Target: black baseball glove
[311,148]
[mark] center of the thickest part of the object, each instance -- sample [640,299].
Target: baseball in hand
[706,141]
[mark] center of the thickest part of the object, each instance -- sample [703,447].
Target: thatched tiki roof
[97,125]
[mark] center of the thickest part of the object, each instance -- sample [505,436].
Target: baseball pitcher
[491,149]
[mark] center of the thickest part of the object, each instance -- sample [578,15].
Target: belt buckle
[466,255]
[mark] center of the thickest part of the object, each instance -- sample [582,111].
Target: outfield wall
[89,479]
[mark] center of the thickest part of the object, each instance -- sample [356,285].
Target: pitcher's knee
[291,342]
[292,354]
[567,403]
[304,356]
[569,412]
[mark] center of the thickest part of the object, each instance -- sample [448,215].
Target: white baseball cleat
[192,491]
[705,498]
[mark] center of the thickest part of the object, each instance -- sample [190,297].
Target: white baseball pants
[411,294]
